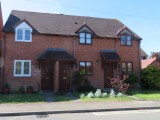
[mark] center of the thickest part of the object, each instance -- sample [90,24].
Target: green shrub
[132,79]
[151,78]
[104,95]
[98,93]
[82,84]
[120,94]
[85,88]
[112,93]
[90,95]
[82,95]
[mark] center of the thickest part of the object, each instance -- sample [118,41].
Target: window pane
[82,68]
[123,40]
[19,34]
[82,35]
[82,40]
[129,38]
[88,35]
[88,41]
[26,68]
[27,34]
[18,67]
[129,71]
[123,65]
[130,65]
[89,70]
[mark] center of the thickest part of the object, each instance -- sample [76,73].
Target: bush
[132,79]
[112,93]
[120,94]
[82,84]
[82,95]
[85,88]
[119,85]
[104,95]
[151,78]
[90,95]
[98,93]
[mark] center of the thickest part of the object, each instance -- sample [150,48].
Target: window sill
[22,75]
[23,40]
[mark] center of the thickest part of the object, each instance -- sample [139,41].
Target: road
[114,115]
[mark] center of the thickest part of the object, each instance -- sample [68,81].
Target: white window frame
[22,68]
[24,26]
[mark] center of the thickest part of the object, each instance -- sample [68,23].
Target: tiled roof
[55,54]
[147,62]
[46,23]
[110,55]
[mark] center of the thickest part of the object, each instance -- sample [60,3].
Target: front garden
[21,98]
[121,90]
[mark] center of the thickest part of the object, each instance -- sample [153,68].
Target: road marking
[126,112]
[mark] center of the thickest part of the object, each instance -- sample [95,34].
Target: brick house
[44,50]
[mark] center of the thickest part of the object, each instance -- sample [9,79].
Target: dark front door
[47,76]
[108,73]
[64,76]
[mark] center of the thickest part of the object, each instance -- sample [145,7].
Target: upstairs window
[85,68]
[126,40]
[85,38]
[23,35]
[127,67]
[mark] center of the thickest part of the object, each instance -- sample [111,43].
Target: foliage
[120,94]
[98,93]
[119,85]
[132,79]
[80,79]
[112,93]
[82,95]
[90,95]
[151,78]
[85,88]
[82,84]
[104,95]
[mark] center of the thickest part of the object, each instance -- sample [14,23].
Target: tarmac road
[153,114]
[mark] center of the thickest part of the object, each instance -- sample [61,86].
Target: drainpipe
[117,72]
[139,55]
[74,55]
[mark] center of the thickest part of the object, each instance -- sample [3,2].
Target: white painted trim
[22,68]
[24,26]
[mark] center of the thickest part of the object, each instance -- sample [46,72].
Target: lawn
[148,95]
[106,99]
[21,98]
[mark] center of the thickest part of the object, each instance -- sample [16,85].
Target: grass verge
[148,95]
[21,98]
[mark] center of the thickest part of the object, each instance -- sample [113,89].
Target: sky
[141,16]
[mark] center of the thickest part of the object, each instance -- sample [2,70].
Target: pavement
[73,107]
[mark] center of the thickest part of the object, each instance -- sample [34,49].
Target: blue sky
[142,16]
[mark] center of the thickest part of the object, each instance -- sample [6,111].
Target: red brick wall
[30,51]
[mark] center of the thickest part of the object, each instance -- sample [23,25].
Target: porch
[56,66]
